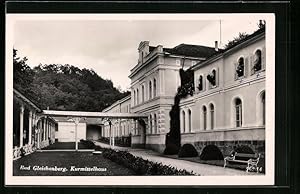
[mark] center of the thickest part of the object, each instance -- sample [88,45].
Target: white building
[226,111]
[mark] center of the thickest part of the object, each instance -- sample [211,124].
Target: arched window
[143,93]
[137,96]
[155,123]
[263,103]
[212,116]
[150,123]
[240,69]
[183,121]
[257,60]
[204,117]
[200,83]
[154,88]
[238,112]
[150,90]
[190,120]
[212,78]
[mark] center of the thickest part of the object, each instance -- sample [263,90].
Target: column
[21,124]
[44,130]
[113,135]
[30,128]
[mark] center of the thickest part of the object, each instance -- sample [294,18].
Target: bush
[141,166]
[211,152]
[171,149]
[98,148]
[88,143]
[187,150]
[243,149]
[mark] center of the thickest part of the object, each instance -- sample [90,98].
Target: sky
[109,47]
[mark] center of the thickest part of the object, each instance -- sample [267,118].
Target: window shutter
[252,64]
[235,74]
[246,66]
[263,58]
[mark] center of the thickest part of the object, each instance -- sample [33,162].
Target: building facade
[228,110]
[228,105]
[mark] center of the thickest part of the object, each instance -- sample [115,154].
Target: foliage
[98,148]
[141,166]
[211,152]
[171,149]
[64,87]
[119,141]
[236,40]
[187,150]
[243,149]
[89,144]
[186,88]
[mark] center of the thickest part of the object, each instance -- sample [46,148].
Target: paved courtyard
[198,168]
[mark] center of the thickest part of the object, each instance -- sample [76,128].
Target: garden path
[198,168]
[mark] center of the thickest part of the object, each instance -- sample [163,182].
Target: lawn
[65,161]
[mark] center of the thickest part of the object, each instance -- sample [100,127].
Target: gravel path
[198,168]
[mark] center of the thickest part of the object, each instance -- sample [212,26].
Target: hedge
[211,152]
[141,166]
[88,143]
[187,150]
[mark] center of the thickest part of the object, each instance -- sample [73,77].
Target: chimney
[216,46]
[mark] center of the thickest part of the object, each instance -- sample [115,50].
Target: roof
[257,32]
[25,99]
[189,50]
[250,37]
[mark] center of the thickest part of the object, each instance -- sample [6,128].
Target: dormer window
[212,78]
[240,69]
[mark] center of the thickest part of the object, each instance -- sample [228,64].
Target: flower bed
[141,166]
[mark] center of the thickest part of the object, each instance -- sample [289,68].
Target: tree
[64,87]
[236,40]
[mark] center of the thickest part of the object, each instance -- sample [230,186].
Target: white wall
[66,131]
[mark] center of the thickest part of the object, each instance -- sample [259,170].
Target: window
[257,61]
[212,78]
[134,97]
[155,124]
[183,121]
[240,68]
[143,93]
[137,96]
[238,112]
[204,117]
[150,90]
[154,88]
[200,83]
[263,102]
[212,118]
[190,120]
[150,123]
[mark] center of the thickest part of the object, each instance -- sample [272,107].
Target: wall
[66,131]
[248,88]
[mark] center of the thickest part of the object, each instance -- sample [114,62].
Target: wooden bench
[250,159]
